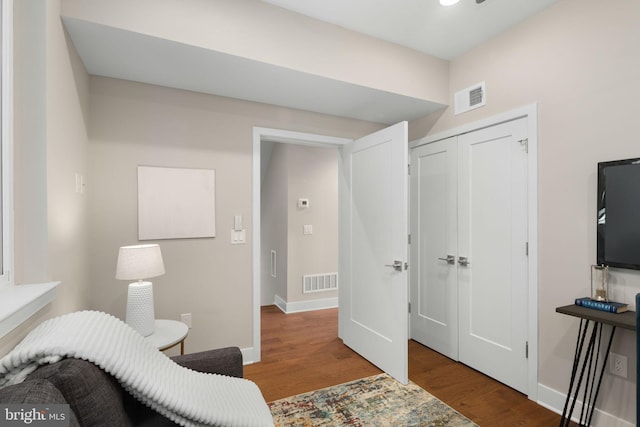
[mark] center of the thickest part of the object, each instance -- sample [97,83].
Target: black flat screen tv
[618,226]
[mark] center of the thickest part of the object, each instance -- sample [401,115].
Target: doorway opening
[299,226]
[264,136]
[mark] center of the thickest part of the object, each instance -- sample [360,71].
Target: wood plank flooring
[302,352]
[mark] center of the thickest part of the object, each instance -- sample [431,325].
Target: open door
[373,318]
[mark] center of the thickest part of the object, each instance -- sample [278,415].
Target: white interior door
[373,237]
[434,246]
[492,230]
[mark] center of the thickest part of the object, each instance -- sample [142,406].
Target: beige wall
[133,124]
[294,172]
[580,62]
[50,92]
[273,224]
[313,174]
[67,114]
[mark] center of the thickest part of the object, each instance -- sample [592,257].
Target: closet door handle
[450,259]
[397,265]
[463,261]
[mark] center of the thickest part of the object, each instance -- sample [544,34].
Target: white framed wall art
[176,203]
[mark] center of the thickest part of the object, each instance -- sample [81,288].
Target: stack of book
[609,306]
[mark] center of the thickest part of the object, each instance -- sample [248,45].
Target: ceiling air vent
[470,98]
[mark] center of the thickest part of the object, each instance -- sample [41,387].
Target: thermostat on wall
[303,203]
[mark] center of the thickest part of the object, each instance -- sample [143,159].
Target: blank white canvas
[176,203]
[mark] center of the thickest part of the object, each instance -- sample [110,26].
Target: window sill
[18,303]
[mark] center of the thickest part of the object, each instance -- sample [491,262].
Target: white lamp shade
[139,262]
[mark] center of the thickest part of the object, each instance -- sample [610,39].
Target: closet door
[492,251]
[434,285]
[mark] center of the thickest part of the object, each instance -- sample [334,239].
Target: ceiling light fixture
[448,2]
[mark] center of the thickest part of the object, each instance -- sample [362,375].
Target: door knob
[463,261]
[450,259]
[397,265]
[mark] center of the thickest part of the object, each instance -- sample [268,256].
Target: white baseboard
[249,356]
[554,401]
[280,303]
[310,305]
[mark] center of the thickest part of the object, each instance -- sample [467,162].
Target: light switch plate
[238,237]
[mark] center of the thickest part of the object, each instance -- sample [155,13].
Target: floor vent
[470,98]
[319,282]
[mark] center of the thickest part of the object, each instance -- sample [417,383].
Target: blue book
[609,306]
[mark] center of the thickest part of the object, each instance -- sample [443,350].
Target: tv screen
[619,213]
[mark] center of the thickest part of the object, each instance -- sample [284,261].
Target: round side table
[168,333]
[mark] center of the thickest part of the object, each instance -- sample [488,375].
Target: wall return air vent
[319,282]
[470,98]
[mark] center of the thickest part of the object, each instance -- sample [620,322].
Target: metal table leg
[590,362]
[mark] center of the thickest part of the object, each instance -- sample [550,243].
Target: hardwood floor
[302,352]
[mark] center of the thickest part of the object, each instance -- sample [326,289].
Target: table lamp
[140,262]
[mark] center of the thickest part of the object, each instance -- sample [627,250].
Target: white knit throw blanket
[187,397]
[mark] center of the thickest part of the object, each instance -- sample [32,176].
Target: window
[17,303]
[6,142]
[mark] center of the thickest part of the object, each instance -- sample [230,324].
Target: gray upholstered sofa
[96,399]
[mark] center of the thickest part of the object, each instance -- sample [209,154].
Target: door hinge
[526,248]
[409,308]
[409,239]
[526,349]
[409,169]
[525,143]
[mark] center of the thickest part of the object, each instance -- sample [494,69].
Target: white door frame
[252,354]
[531,112]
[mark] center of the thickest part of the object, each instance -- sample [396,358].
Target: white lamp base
[140,314]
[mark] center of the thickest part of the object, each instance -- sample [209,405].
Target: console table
[589,356]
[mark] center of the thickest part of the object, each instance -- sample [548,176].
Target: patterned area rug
[368,402]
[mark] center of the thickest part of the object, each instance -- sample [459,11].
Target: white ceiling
[420,24]
[424,25]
